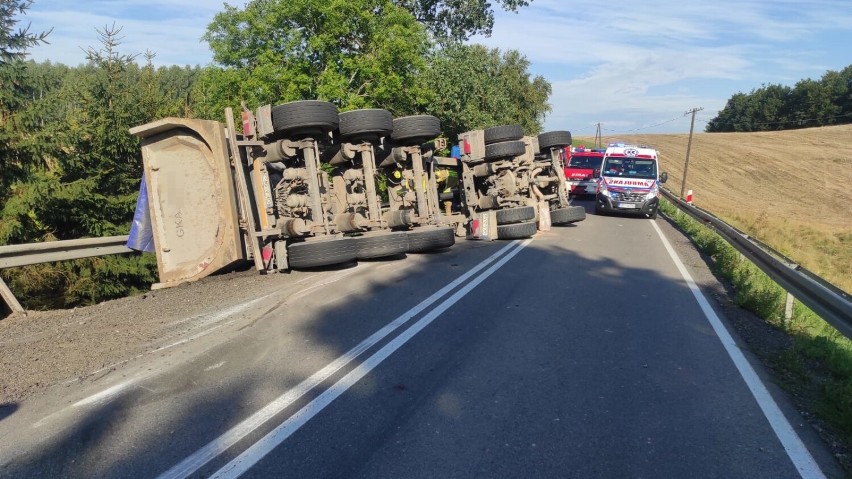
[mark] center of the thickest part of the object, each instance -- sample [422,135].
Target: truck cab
[629,181]
[582,169]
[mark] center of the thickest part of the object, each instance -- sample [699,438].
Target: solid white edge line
[265,445]
[198,459]
[796,450]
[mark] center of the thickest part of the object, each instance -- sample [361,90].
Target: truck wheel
[504,150]
[553,138]
[498,134]
[515,215]
[571,214]
[365,124]
[382,244]
[517,230]
[416,129]
[308,117]
[427,239]
[310,254]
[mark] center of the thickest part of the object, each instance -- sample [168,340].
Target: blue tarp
[141,236]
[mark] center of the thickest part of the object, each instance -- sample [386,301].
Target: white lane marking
[217,446]
[215,366]
[796,450]
[265,445]
[104,395]
[304,292]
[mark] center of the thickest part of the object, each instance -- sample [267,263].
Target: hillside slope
[791,189]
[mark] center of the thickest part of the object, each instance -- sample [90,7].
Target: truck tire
[307,117]
[498,134]
[367,124]
[517,230]
[515,215]
[571,214]
[505,149]
[310,254]
[551,139]
[382,244]
[427,239]
[416,129]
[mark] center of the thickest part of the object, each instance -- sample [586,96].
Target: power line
[730,122]
[645,127]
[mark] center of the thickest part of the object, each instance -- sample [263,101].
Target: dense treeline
[69,168]
[810,103]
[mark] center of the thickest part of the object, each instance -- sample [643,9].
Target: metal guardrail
[49,251]
[826,300]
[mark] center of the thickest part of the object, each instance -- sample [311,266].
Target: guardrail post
[788,308]
[9,298]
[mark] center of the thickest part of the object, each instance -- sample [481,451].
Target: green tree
[476,87]
[14,44]
[15,91]
[839,87]
[356,53]
[809,103]
[457,20]
[90,189]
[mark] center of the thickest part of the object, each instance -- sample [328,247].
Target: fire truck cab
[582,169]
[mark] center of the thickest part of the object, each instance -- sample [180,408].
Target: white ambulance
[629,181]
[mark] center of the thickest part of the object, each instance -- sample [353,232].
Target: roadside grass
[826,251]
[819,358]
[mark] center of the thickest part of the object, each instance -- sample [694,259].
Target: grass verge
[815,365]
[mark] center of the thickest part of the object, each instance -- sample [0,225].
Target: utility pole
[688,147]
[598,139]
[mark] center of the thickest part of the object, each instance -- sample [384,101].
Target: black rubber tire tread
[368,122]
[381,245]
[599,211]
[571,214]
[498,134]
[415,129]
[515,215]
[553,138]
[310,254]
[504,149]
[653,215]
[306,114]
[429,238]
[516,230]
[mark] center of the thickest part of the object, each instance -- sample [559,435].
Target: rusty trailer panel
[193,205]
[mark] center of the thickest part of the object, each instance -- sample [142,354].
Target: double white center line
[257,451]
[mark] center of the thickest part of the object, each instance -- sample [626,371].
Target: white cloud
[630,63]
[175,39]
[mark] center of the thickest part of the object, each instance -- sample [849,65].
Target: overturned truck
[514,184]
[297,189]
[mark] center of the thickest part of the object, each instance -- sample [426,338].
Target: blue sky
[635,67]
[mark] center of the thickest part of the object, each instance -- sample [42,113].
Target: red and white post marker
[689,197]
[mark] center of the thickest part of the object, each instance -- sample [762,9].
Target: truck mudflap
[193,209]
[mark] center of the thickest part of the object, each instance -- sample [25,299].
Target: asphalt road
[583,352]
